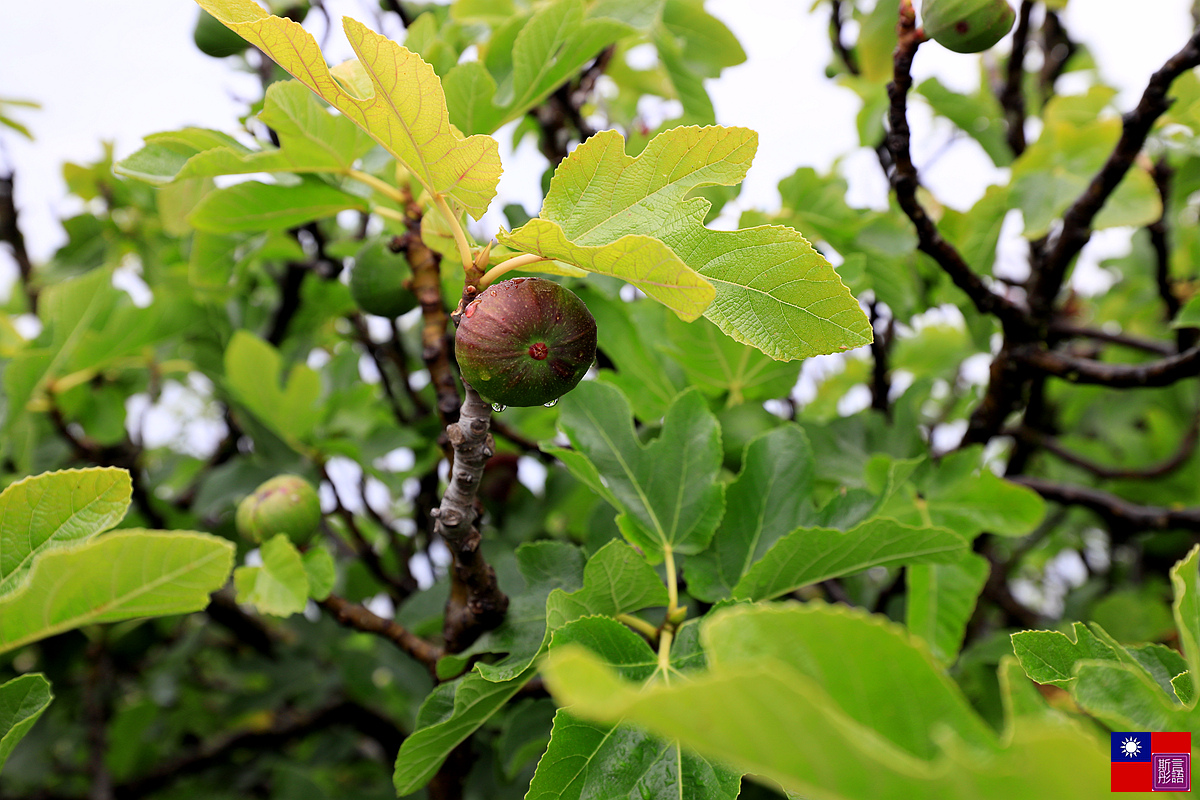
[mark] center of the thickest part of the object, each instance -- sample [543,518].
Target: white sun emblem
[1130,747]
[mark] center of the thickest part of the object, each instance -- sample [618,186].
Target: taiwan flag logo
[1151,762]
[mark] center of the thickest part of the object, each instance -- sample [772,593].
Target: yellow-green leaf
[640,260]
[403,107]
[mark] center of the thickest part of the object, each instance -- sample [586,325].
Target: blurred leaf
[56,509]
[252,371]
[22,701]
[124,575]
[940,601]
[254,206]
[280,586]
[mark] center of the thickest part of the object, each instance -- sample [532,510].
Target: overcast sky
[123,68]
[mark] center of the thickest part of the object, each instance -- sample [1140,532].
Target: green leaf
[165,154]
[310,139]
[666,491]
[811,555]
[721,366]
[769,711]
[1124,697]
[586,759]
[978,115]
[55,509]
[252,371]
[321,572]
[254,206]
[123,575]
[962,494]
[1050,656]
[1189,315]
[550,48]
[616,580]
[449,715]
[768,500]
[1057,168]
[389,92]
[1185,580]
[546,566]
[642,261]
[22,701]
[941,599]
[280,586]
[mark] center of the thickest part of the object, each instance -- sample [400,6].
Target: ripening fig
[967,26]
[525,342]
[377,281]
[285,504]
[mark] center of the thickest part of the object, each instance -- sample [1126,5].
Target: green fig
[967,26]
[525,342]
[214,39]
[285,504]
[377,281]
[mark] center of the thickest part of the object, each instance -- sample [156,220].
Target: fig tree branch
[836,38]
[1173,462]
[1124,517]
[1057,49]
[1064,330]
[905,182]
[1077,221]
[360,618]
[476,602]
[1012,96]
[10,234]
[1162,372]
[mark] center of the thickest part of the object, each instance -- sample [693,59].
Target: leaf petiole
[640,625]
[460,236]
[379,185]
[523,260]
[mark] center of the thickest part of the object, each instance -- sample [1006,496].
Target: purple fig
[525,342]
[285,504]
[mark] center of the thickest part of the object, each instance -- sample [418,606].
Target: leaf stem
[378,184]
[640,625]
[390,213]
[664,653]
[672,583]
[516,262]
[460,236]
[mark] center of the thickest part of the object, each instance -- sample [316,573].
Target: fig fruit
[377,281]
[525,342]
[967,26]
[214,39]
[285,504]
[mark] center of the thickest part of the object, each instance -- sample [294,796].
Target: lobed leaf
[666,491]
[280,586]
[388,91]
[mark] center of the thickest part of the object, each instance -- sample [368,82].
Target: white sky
[120,69]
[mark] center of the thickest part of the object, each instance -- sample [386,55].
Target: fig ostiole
[967,26]
[525,342]
[286,504]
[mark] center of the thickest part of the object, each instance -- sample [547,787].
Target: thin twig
[10,234]
[1063,330]
[1050,444]
[360,618]
[1012,97]
[1163,372]
[840,47]
[904,181]
[1124,516]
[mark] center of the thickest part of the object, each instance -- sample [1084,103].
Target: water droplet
[470,310]
[551,404]
[498,407]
